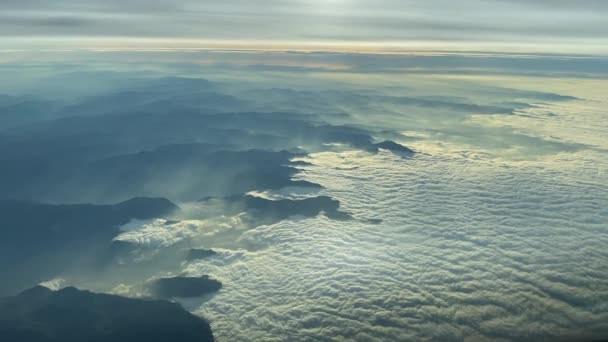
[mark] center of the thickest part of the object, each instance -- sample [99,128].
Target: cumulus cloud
[53,284]
[463,252]
[163,233]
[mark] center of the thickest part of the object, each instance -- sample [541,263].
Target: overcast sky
[465,24]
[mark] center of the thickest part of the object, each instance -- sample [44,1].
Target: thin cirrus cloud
[556,25]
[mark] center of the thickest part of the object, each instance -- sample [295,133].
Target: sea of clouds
[494,230]
[474,244]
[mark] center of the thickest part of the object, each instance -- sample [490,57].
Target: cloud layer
[478,240]
[464,251]
[312,21]
[494,229]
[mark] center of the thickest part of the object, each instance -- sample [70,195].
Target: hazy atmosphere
[514,25]
[303,170]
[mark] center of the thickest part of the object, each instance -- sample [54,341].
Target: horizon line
[113,44]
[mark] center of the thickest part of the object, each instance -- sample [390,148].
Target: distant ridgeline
[175,138]
[264,210]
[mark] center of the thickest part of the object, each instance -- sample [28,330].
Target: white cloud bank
[477,242]
[480,253]
[470,248]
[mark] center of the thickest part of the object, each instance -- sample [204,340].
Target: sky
[556,26]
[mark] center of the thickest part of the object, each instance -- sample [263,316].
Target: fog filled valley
[303,196]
